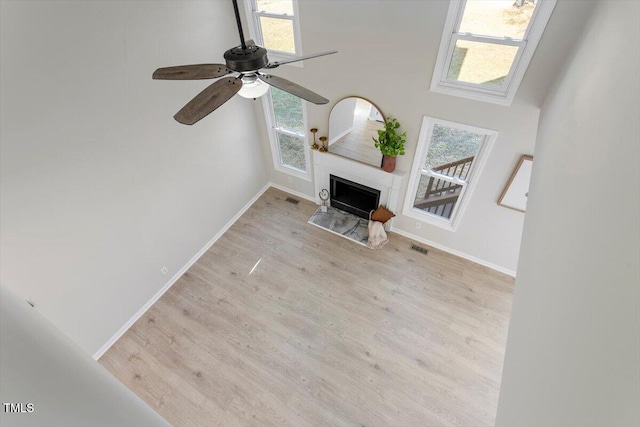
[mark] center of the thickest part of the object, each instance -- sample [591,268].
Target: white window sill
[306,176]
[476,95]
[430,219]
[279,56]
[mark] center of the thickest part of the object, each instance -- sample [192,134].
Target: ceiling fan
[245,61]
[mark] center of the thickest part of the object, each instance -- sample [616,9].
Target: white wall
[100,186]
[573,351]
[341,119]
[41,366]
[388,50]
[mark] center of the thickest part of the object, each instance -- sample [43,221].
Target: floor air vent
[292,200]
[420,249]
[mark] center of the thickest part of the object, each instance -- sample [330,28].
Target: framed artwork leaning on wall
[516,192]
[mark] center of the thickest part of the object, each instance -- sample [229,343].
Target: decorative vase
[389,163]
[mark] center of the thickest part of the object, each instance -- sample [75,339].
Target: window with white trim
[286,117]
[487,45]
[449,159]
[274,25]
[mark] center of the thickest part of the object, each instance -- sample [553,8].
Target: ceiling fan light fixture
[244,63]
[253,87]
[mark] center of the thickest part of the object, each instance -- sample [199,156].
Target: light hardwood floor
[283,323]
[358,144]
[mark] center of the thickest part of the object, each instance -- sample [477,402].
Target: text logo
[18,407]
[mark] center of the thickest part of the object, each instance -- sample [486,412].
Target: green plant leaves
[389,141]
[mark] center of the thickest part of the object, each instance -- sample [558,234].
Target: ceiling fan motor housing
[242,59]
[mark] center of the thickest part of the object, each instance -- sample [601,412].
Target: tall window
[286,116]
[448,163]
[274,25]
[487,45]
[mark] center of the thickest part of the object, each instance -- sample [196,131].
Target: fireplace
[353,197]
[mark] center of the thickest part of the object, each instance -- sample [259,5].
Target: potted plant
[390,143]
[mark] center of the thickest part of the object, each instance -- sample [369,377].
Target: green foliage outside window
[450,144]
[288,110]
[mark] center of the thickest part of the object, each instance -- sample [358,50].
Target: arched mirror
[353,123]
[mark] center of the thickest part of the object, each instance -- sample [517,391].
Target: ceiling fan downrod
[246,60]
[239,24]
[247,57]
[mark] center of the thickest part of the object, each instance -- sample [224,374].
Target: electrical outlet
[418,225]
[164,271]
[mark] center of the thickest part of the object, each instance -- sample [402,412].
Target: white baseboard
[293,192]
[416,238]
[177,276]
[454,252]
[210,243]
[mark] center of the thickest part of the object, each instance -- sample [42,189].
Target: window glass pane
[275,6]
[451,151]
[486,64]
[291,151]
[437,196]
[277,34]
[502,18]
[287,110]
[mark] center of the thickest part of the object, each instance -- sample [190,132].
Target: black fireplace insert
[352,197]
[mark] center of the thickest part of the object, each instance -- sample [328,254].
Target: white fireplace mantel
[388,184]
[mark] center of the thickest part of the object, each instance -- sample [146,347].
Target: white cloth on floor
[377,235]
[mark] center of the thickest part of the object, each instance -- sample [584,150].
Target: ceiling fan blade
[191,72]
[208,100]
[299,58]
[293,88]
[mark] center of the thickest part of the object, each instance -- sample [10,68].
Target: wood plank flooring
[282,323]
[358,144]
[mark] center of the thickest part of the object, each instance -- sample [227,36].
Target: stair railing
[441,194]
[457,169]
